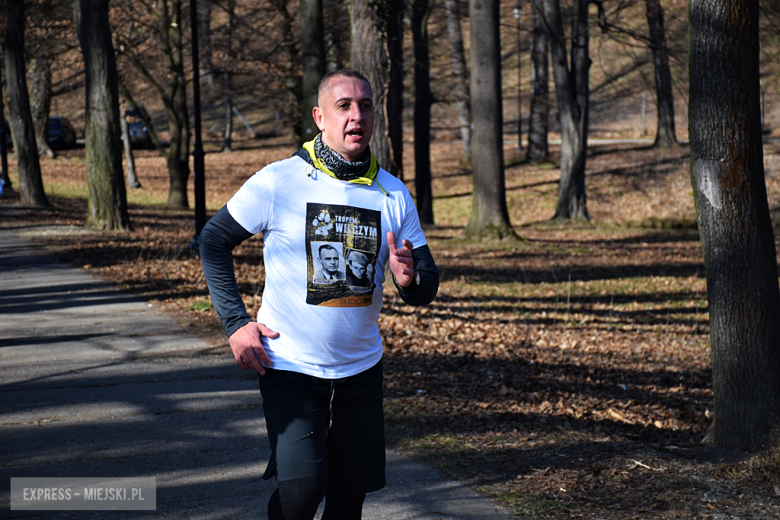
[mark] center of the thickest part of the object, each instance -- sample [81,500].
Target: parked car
[136,127]
[61,133]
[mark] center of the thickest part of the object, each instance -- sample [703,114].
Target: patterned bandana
[343,169]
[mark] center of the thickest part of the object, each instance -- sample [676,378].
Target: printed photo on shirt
[359,270]
[328,262]
[342,245]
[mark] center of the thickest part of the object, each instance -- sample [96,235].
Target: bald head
[343,73]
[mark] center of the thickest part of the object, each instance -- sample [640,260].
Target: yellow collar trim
[366,179]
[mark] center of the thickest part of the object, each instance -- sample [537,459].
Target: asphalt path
[96,383]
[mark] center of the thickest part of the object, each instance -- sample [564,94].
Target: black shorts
[332,427]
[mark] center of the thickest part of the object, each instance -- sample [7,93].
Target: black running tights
[298,500]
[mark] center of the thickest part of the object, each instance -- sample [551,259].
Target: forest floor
[566,374]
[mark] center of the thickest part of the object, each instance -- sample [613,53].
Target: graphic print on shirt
[342,244]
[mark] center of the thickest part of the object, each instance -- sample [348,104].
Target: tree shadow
[491,420]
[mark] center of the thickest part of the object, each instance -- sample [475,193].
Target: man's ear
[317,115]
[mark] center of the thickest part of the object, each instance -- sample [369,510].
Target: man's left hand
[401,263]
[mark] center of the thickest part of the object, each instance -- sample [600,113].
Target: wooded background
[621,65]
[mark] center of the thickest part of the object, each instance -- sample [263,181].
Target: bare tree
[313,58]
[665,137]
[423,99]
[377,52]
[460,75]
[727,173]
[538,128]
[292,78]
[40,102]
[572,93]
[336,33]
[369,56]
[205,48]
[132,178]
[394,103]
[5,181]
[227,74]
[152,35]
[107,203]
[49,34]
[20,118]
[175,100]
[489,216]
[519,51]
[227,137]
[655,41]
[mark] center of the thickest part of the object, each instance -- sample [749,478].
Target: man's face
[358,268]
[329,259]
[345,116]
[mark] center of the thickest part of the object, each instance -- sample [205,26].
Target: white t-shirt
[327,324]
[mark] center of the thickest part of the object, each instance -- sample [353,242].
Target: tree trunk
[313,57]
[227,141]
[489,216]
[460,76]
[5,182]
[336,34]
[395,90]
[423,99]
[571,88]
[538,128]
[292,80]
[370,58]
[107,202]
[132,178]
[20,119]
[518,10]
[40,102]
[205,52]
[727,173]
[665,137]
[178,153]
[175,101]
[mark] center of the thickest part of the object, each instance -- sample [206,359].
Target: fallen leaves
[571,377]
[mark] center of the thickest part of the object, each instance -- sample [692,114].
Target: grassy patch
[71,191]
[663,223]
[138,197]
[534,506]
[200,306]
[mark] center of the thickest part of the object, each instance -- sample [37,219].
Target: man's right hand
[247,347]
